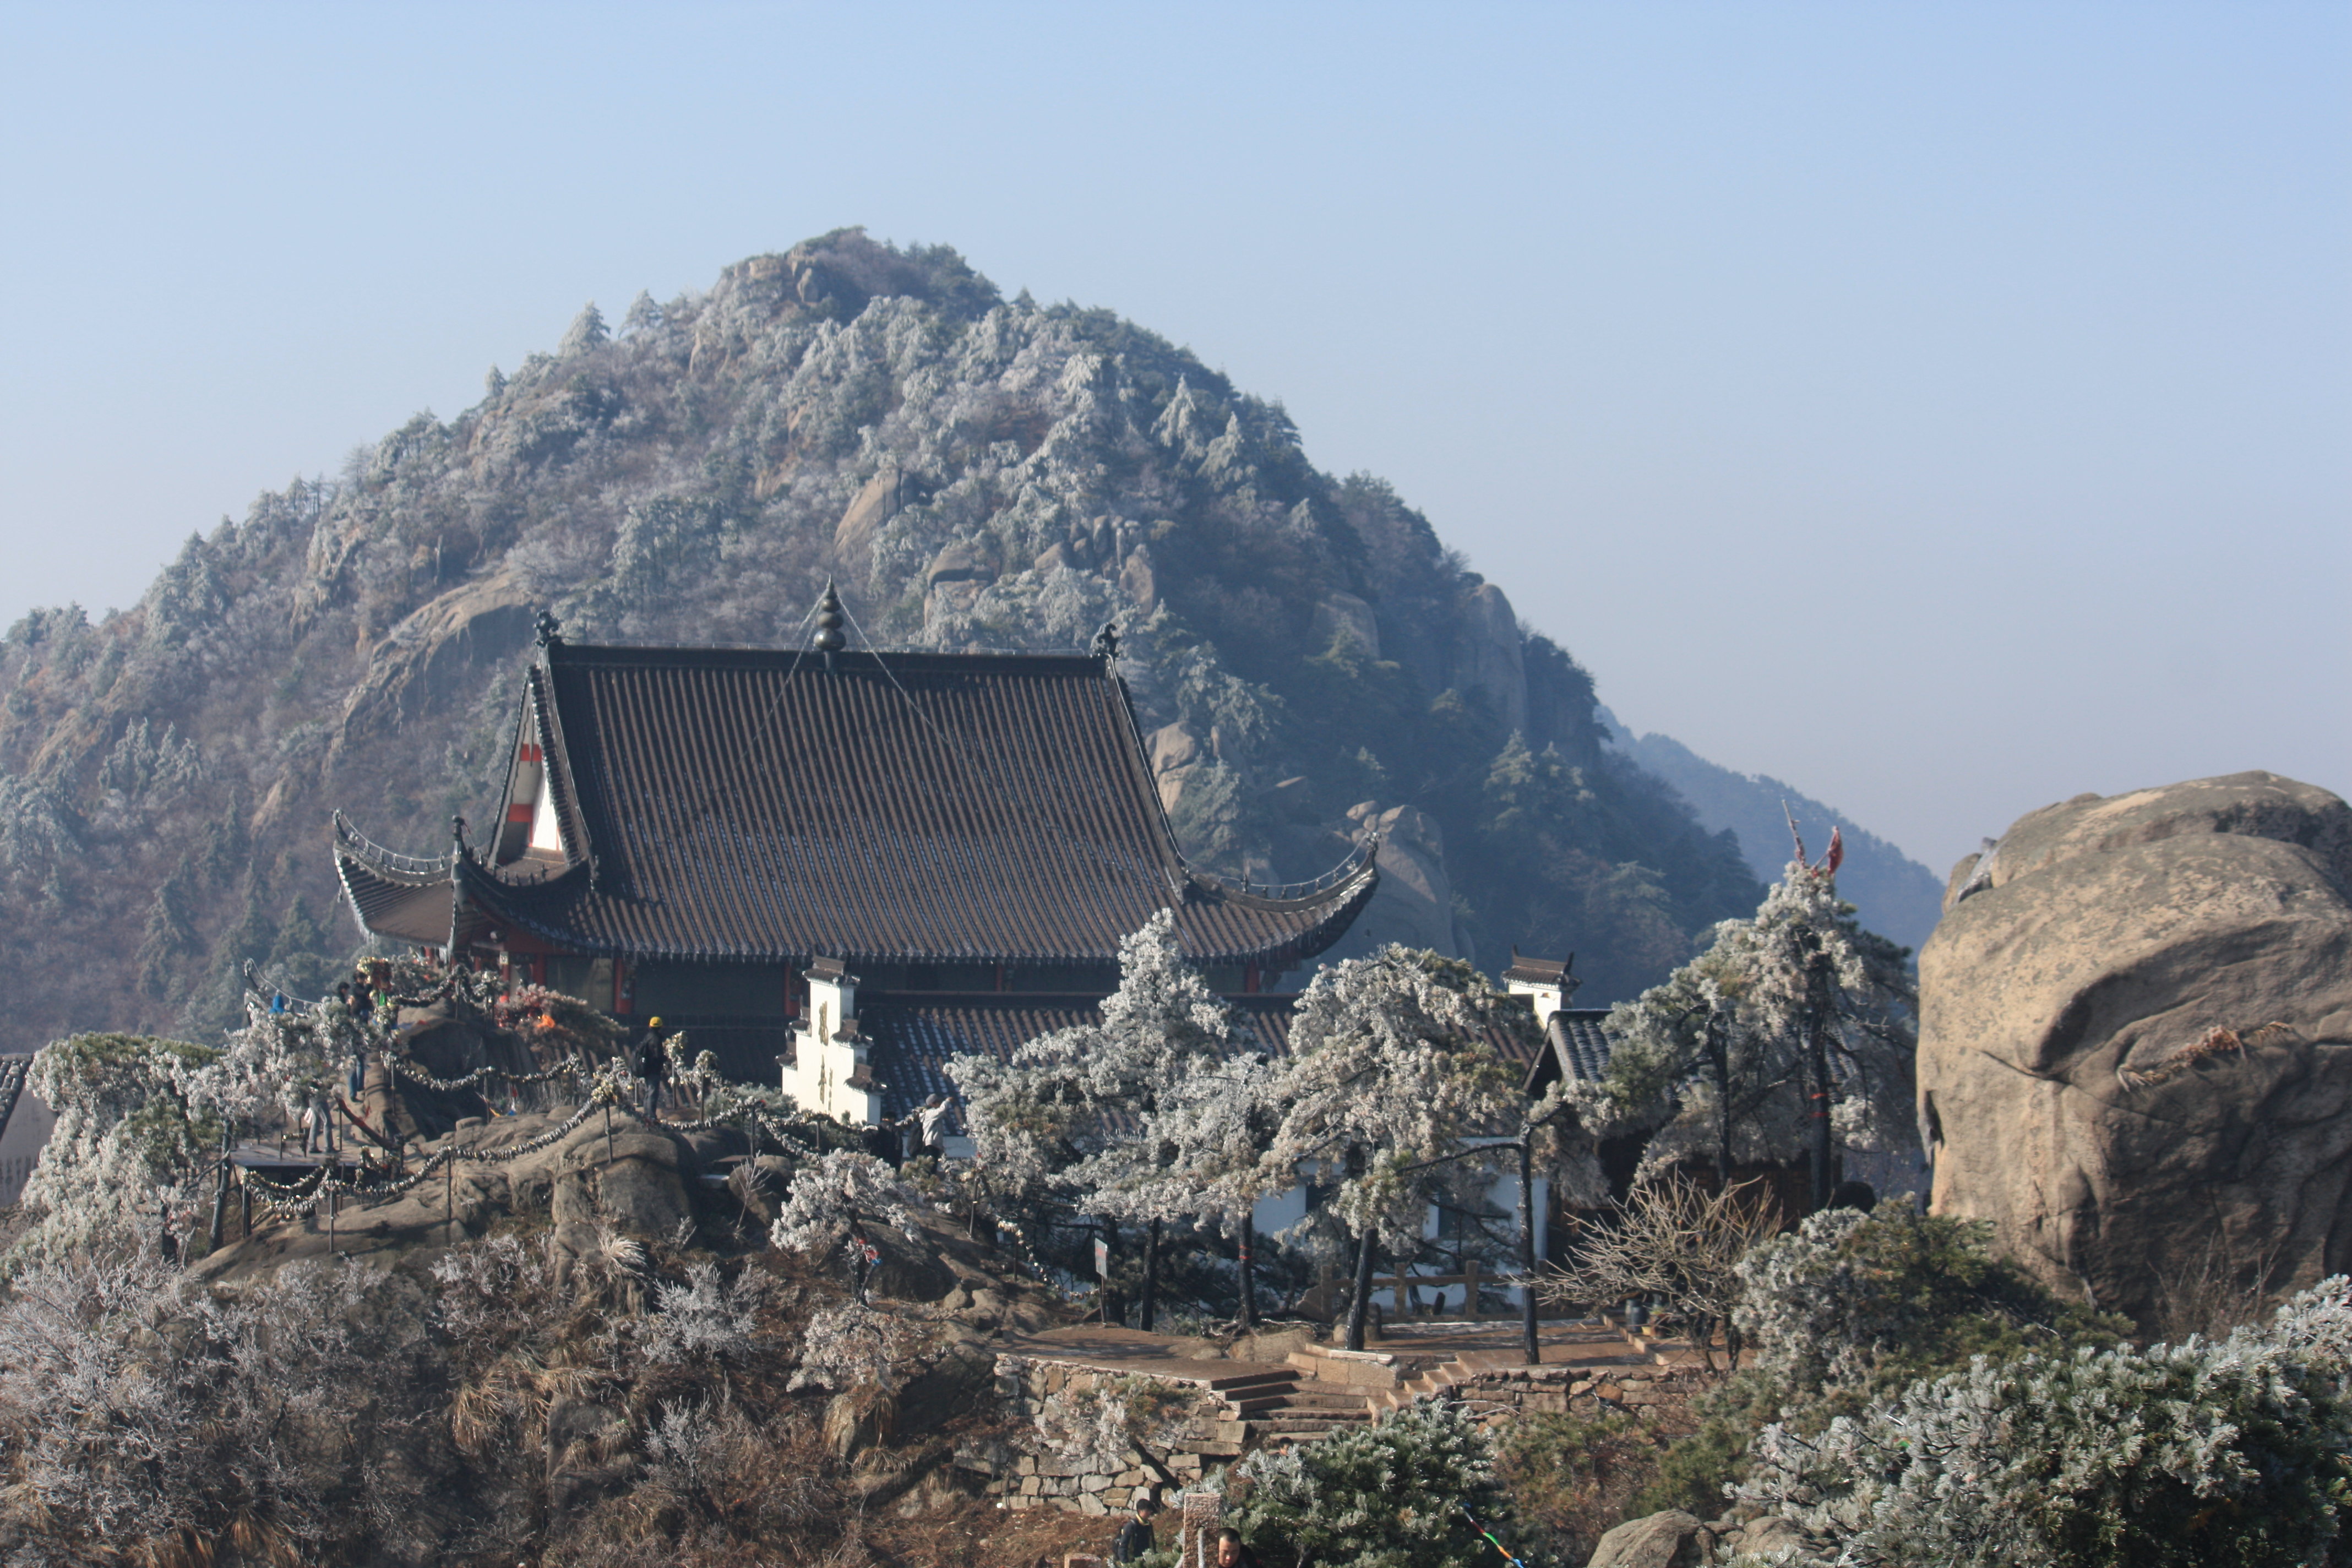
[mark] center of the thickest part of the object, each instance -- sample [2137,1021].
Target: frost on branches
[854,1347]
[1389,1065]
[1388,1494]
[144,1417]
[2229,1450]
[1099,1428]
[704,1321]
[1794,1002]
[1059,1117]
[137,1120]
[838,1194]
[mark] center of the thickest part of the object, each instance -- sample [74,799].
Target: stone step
[1292,1429]
[1317,1399]
[1356,1369]
[1257,1404]
[1250,1380]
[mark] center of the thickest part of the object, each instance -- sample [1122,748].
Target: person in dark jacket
[1135,1536]
[653,1066]
[1231,1552]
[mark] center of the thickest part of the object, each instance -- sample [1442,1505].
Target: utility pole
[220,1193]
[1528,1341]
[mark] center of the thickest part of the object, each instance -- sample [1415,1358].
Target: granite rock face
[1414,903]
[1670,1540]
[2136,1040]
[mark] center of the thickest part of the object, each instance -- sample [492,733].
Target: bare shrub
[141,1412]
[706,1318]
[855,1346]
[1677,1244]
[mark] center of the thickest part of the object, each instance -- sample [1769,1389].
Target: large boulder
[2136,1040]
[1670,1540]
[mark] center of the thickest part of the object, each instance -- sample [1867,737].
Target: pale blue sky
[1944,407]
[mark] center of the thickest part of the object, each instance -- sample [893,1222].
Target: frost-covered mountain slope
[1309,658]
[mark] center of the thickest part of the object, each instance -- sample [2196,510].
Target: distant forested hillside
[1896,895]
[1309,658]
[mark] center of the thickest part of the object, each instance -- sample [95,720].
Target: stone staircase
[1286,1406]
[1319,1389]
[1333,1387]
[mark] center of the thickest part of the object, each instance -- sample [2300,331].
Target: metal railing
[406,865]
[1344,871]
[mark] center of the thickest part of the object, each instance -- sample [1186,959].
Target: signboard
[1102,1259]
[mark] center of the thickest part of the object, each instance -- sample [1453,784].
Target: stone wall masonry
[1027,1480]
[1499,1398]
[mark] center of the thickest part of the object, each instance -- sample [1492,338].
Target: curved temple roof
[730,804]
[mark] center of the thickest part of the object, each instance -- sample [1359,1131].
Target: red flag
[1836,855]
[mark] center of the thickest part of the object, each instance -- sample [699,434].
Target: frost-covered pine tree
[1792,1034]
[587,331]
[1389,1071]
[131,1136]
[1060,1119]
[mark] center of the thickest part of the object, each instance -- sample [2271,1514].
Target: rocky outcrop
[1176,752]
[875,504]
[1677,1540]
[956,576]
[2136,1040]
[1489,660]
[440,653]
[1414,903]
[634,1181]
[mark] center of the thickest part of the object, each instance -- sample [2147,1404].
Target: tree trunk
[1150,1308]
[1527,1341]
[1817,1074]
[1718,1051]
[1359,1309]
[1249,1275]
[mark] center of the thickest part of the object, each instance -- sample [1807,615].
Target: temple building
[836,869]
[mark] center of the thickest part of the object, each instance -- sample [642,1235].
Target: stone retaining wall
[1025,1481]
[1498,1397]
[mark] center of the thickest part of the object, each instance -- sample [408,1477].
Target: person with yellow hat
[653,1067]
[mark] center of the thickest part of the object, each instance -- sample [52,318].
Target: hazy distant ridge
[1897,897]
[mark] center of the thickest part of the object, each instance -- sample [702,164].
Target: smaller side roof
[1540,971]
[1576,1049]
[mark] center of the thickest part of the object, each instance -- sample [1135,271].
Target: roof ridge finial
[828,640]
[547,629]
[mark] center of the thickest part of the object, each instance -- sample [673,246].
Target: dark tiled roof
[1511,1031]
[730,804]
[1576,1048]
[393,895]
[1539,970]
[913,1038]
